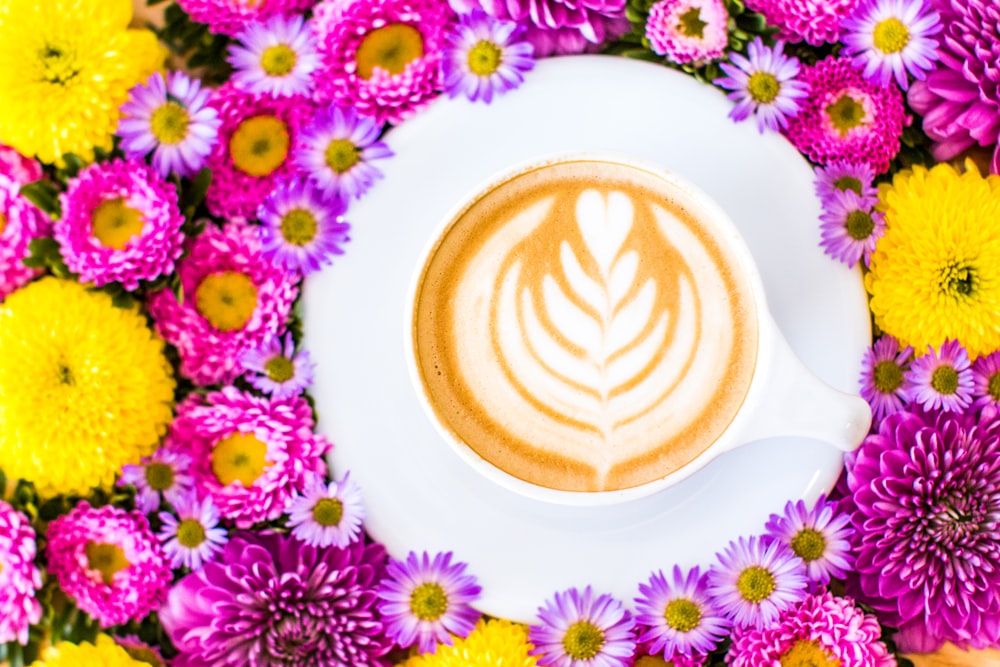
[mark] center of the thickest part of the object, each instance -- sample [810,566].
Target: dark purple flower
[271,600]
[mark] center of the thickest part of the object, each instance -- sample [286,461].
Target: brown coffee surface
[584,327]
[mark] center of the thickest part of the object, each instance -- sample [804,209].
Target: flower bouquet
[166,191]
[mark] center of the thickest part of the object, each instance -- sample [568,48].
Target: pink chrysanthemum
[814,21]
[229,17]
[846,117]
[883,382]
[821,630]
[941,378]
[108,562]
[18,168]
[250,454]
[850,227]
[986,380]
[120,223]
[19,578]
[162,476]
[688,31]
[254,150]
[820,536]
[20,223]
[234,300]
[381,57]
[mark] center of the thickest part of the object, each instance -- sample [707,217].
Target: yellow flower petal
[103,653]
[493,643]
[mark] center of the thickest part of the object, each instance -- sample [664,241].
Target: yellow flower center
[808,654]
[329,512]
[259,145]
[755,584]
[190,533]
[891,35]
[3,222]
[298,226]
[485,58]
[392,48]
[114,224]
[845,183]
[279,369]
[809,545]
[105,559]
[239,457]
[169,123]
[944,379]
[690,24]
[428,601]
[682,615]
[226,299]
[763,87]
[958,279]
[993,386]
[159,476]
[845,114]
[58,64]
[341,155]
[888,377]
[278,60]
[859,225]
[583,640]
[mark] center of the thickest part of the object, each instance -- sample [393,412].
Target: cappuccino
[583,326]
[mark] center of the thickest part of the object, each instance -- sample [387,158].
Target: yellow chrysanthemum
[103,653]
[493,643]
[935,275]
[84,387]
[65,68]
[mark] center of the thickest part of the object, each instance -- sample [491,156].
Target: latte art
[582,330]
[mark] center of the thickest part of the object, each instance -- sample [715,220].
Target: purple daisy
[164,475]
[251,455]
[20,223]
[850,227]
[301,227]
[276,57]
[986,380]
[820,536]
[960,99]
[120,223]
[424,601]
[108,562]
[583,630]
[229,18]
[757,579]
[171,119]
[193,537]
[327,514]
[275,368]
[484,56]
[941,378]
[764,85]
[381,57]
[888,38]
[813,21]
[677,618]
[19,578]
[925,491]
[883,377]
[18,168]
[821,630]
[235,300]
[272,600]
[337,151]
[688,31]
[256,139]
[846,117]
[840,176]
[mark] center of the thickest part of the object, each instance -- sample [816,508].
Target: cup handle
[794,402]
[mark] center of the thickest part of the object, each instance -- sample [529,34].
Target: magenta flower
[883,377]
[20,579]
[275,367]
[229,18]
[850,227]
[484,57]
[941,378]
[764,85]
[301,227]
[193,537]
[424,601]
[820,536]
[327,514]
[18,168]
[688,31]
[583,630]
[677,619]
[20,223]
[108,562]
[816,22]
[276,57]
[888,38]
[270,599]
[840,176]
[162,476]
[986,380]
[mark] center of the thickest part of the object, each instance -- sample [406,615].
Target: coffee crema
[584,327]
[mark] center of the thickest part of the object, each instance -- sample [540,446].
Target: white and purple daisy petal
[883,377]
[986,379]
[678,618]
[688,31]
[888,38]
[840,176]
[583,630]
[276,57]
[301,227]
[484,56]
[193,537]
[170,119]
[326,515]
[275,367]
[764,84]
[755,580]
[337,151]
[819,536]
[850,227]
[164,475]
[941,378]
[424,601]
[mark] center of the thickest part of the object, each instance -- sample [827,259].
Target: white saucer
[419,495]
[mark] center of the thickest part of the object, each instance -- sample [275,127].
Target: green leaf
[73,163]
[45,195]
[194,194]
[44,253]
